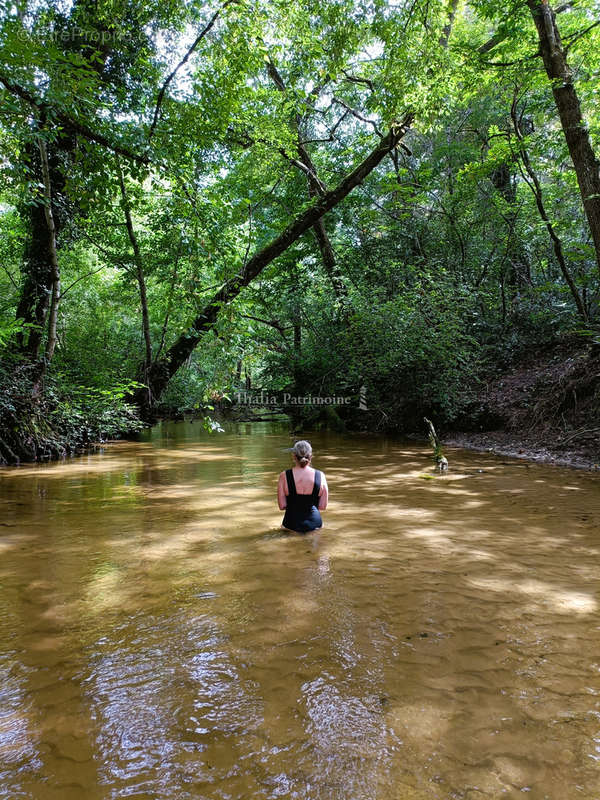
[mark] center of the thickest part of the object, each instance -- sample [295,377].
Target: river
[160,637]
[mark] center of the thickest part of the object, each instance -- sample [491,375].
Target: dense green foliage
[177,140]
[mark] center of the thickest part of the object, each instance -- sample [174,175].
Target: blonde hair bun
[303,452]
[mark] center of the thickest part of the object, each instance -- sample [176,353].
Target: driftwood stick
[438,453]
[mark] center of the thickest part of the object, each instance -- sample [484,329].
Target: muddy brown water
[161,638]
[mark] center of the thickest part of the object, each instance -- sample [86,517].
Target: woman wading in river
[302,492]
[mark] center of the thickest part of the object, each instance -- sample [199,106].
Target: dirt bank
[545,409]
[519,446]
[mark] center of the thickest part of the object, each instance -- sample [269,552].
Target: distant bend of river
[160,638]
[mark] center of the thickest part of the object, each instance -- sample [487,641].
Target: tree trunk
[32,307]
[39,284]
[536,188]
[447,29]
[574,128]
[139,269]
[329,260]
[38,268]
[162,371]
[52,249]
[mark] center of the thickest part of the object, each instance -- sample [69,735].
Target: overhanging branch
[70,123]
[184,346]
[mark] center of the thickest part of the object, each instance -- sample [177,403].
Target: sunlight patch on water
[562,601]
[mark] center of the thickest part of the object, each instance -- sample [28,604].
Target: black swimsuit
[301,513]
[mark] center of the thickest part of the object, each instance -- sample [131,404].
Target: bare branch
[356,79]
[275,76]
[358,115]
[272,323]
[245,140]
[81,278]
[312,176]
[12,280]
[500,37]
[576,36]
[183,61]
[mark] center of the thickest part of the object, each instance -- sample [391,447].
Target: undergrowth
[60,420]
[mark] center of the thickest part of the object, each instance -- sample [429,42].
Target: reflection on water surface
[161,638]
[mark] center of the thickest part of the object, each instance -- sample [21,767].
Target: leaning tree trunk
[574,128]
[164,369]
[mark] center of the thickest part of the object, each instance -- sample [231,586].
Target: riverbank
[511,445]
[545,409]
[53,427]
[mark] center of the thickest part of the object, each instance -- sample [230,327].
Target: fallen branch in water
[438,453]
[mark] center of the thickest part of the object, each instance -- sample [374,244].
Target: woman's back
[301,513]
[304,478]
[302,492]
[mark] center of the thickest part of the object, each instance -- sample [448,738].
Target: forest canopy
[305,196]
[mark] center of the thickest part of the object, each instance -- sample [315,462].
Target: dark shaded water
[161,638]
